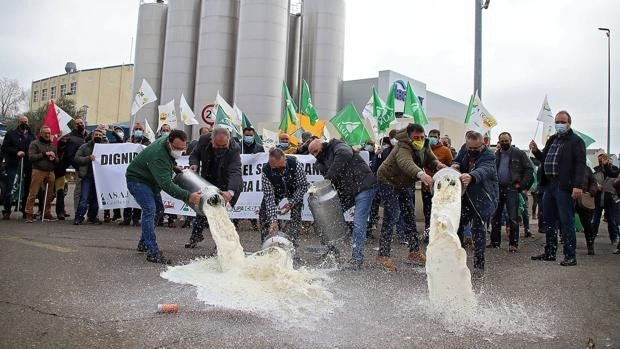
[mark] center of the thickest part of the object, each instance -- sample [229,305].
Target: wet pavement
[86,286]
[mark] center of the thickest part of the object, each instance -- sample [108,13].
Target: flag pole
[45,198]
[536,133]
[21,183]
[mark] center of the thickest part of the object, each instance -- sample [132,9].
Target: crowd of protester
[497,180]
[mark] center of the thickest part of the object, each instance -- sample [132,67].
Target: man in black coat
[218,158]
[249,144]
[15,150]
[355,183]
[563,164]
[605,174]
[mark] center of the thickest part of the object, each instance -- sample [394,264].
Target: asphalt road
[86,286]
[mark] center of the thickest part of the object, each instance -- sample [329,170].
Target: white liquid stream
[264,283]
[447,275]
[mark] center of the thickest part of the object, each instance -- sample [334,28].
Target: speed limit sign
[208,114]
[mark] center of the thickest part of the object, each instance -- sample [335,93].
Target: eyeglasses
[418,138]
[138,129]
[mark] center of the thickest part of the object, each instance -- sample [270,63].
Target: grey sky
[530,48]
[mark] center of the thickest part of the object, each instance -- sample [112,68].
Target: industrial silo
[293,54]
[149,55]
[215,67]
[261,59]
[323,53]
[179,70]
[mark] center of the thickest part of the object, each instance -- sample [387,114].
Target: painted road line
[50,247]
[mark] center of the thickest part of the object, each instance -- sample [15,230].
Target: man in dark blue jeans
[88,194]
[563,164]
[15,151]
[148,174]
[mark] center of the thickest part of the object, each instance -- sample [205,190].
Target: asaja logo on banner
[114,198]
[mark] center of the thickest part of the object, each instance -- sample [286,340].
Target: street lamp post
[478,45]
[608,33]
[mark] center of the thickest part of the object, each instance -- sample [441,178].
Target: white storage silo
[149,55]
[217,43]
[323,53]
[261,59]
[179,69]
[293,54]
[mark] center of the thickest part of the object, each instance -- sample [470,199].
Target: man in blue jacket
[479,177]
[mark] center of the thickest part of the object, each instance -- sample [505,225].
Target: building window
[35,96]
[44,94]
[63,90]
[73,88]
[53,92]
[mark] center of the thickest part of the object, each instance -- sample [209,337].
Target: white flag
[148,131]
[167,115]
[481,120]
[371,122]
[270,139]
[546,115]
[145,95]
[187,115]
[63,120]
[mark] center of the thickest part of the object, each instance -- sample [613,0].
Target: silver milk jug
[193,182]
[328,216]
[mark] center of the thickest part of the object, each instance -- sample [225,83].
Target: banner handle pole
[536,133]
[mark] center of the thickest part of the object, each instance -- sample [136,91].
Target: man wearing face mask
[515,174]
[219,159]
[444,155]
[137,136]
[445,140]
[249,142]
[397,176]
[88,194]
[285,144]
[164,130]
[132,215]
[43,156]
[479,177]
[147,175]
[605,174]
[77,137]
[118,136]
[15,149]
[562,174]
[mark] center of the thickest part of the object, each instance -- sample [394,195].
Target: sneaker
[416,257]
[543,257]
[158,258]
[568,262]
[95,221]
[194,240]
[49,218]
[353,265]
[6,216]
[513,249]
[477,274]
[387,263]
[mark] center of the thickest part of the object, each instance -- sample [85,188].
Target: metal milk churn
[193,182]
[327,212]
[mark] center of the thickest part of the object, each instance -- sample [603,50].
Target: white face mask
[176,153]
[393,141]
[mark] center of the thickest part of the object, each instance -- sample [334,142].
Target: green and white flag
[350,126]
[245,123]
[306,106]
[384,112]
[470,107]
[478,117]
[586,139]
[289,114]
[221,119]
[413,107]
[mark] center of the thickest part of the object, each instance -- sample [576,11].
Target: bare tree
[11,96]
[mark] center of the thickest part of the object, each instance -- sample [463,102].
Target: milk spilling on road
[264,283]
[448,278]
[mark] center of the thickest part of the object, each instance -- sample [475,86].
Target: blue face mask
[137,133]
[433,141]
[561,128]
[248,139]
[165,133]
[283,145]
[369,148]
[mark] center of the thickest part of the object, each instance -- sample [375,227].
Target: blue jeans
[363,205]
[610,208]
[525,216]
[152,210]
[508,197]
[477,230]
[559,210]
[398,203]
[88,199]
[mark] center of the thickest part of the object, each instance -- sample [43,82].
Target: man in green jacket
[149,173]
[397,176]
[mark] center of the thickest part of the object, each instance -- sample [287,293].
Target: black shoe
[568,262]
[186,224]
[528,234]
[353,265]
[78,221]
[136,223]
[193,241]
[125,222]
[61,217]
[543,257]
[141,248]
[158,258]
[6,216]
[95,221]
[492,245]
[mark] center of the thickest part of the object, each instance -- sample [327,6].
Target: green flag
[586,139]
[469,109]
[245,123]
[382,111]
[350,126]
[290,110]
[413,108]
[222,119]
[306,106]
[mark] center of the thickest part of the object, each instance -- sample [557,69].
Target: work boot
[543,257]
[95,221]
[568,262]
[49,218]
[387,263]
[194,240]
[158,258]
[590,246]
[416,257]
